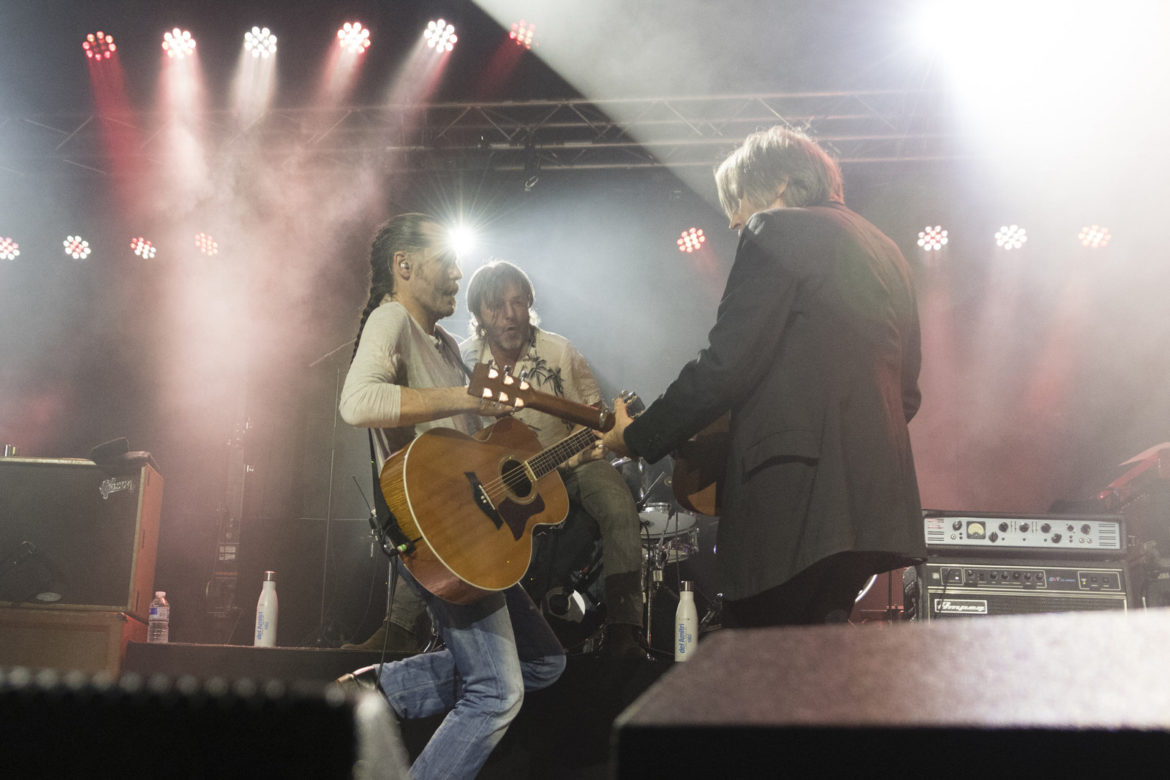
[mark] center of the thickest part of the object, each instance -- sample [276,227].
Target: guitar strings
[541,463]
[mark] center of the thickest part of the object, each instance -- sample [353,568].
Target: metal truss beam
[577,134]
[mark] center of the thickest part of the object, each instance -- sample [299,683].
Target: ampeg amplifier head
[1044,535]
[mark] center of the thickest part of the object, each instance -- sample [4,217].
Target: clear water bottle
[266,613]
[686,623]
[158,628]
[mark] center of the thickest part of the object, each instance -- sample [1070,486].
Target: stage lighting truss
[9,249]
[178,43]
[354,38]
[522,33]
[1094,237]
[440,35]
[76,247]
[1011,237]
[932,239]
[260,42]
[142,247]
[691,240]
[99,46]
[866,127]
[206,244]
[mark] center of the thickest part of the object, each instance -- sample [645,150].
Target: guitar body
[699,467]
[471,507]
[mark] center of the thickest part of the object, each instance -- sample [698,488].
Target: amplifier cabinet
[76,536]
[63,639]
[962,587]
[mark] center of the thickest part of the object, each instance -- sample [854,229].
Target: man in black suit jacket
[815,355]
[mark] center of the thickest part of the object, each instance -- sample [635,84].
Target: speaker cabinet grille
[73,535]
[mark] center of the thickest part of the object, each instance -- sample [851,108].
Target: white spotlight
[260,42]
[440,35]
[463,239]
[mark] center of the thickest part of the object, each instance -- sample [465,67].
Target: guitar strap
[383,521]
[394,542]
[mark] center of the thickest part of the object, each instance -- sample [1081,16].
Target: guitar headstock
[491,384]
[634,403]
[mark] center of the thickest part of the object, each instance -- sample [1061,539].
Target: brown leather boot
[401,640]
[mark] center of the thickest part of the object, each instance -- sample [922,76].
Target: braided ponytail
[400,233]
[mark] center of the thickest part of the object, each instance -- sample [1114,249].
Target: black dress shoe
[624,640]
[362,680]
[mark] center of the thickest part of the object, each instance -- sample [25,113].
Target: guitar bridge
[479,494]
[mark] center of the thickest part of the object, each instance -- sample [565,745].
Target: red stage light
[522,34]
[178,43]
[9,249]
[260,42]
[142,247]
[440,35]
[354,38]
[1094,236]
[99,46]
[1011,237]
[932,239]
[76,247]
[206,244]
[691,240]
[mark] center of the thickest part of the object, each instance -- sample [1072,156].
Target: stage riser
[1052,695]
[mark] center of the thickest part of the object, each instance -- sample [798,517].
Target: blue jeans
[496,649]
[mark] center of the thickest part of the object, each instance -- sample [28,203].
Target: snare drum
[673,549]
[661,519]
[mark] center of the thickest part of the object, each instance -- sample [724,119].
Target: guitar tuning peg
[493,373]
[524,385]
[487,394]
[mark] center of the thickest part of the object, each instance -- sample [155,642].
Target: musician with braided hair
[406,377]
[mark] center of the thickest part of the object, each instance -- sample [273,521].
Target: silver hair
[766,159]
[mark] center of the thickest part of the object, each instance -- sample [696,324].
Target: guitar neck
[579,413]
[549,458]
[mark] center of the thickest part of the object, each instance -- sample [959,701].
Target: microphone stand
[332,474]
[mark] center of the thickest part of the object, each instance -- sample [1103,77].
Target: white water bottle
[686,623]
[158,626]
[266,613]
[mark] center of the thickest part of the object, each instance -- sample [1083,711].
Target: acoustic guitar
[699,466]
[469,504]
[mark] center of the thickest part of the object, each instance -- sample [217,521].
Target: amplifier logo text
[111,486]
[960,607]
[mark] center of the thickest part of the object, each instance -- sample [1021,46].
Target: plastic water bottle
[158,628]
[686,623]
[266,613]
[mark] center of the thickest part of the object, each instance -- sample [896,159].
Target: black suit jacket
[815,352]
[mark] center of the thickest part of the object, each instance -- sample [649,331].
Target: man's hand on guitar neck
[614,439]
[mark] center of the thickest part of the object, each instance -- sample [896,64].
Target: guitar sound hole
[516,478]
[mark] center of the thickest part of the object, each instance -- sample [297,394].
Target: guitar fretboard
[548,459]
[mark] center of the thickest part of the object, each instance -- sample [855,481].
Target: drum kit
[565,578]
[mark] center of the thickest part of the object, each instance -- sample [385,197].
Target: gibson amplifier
[1043,536]
[74,535]
[945,588]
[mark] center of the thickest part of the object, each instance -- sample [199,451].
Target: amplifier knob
[1024,527]
[1003,528]
[1056,538]
[1045,528]
[1086,529]
[993,537]
[957,525]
